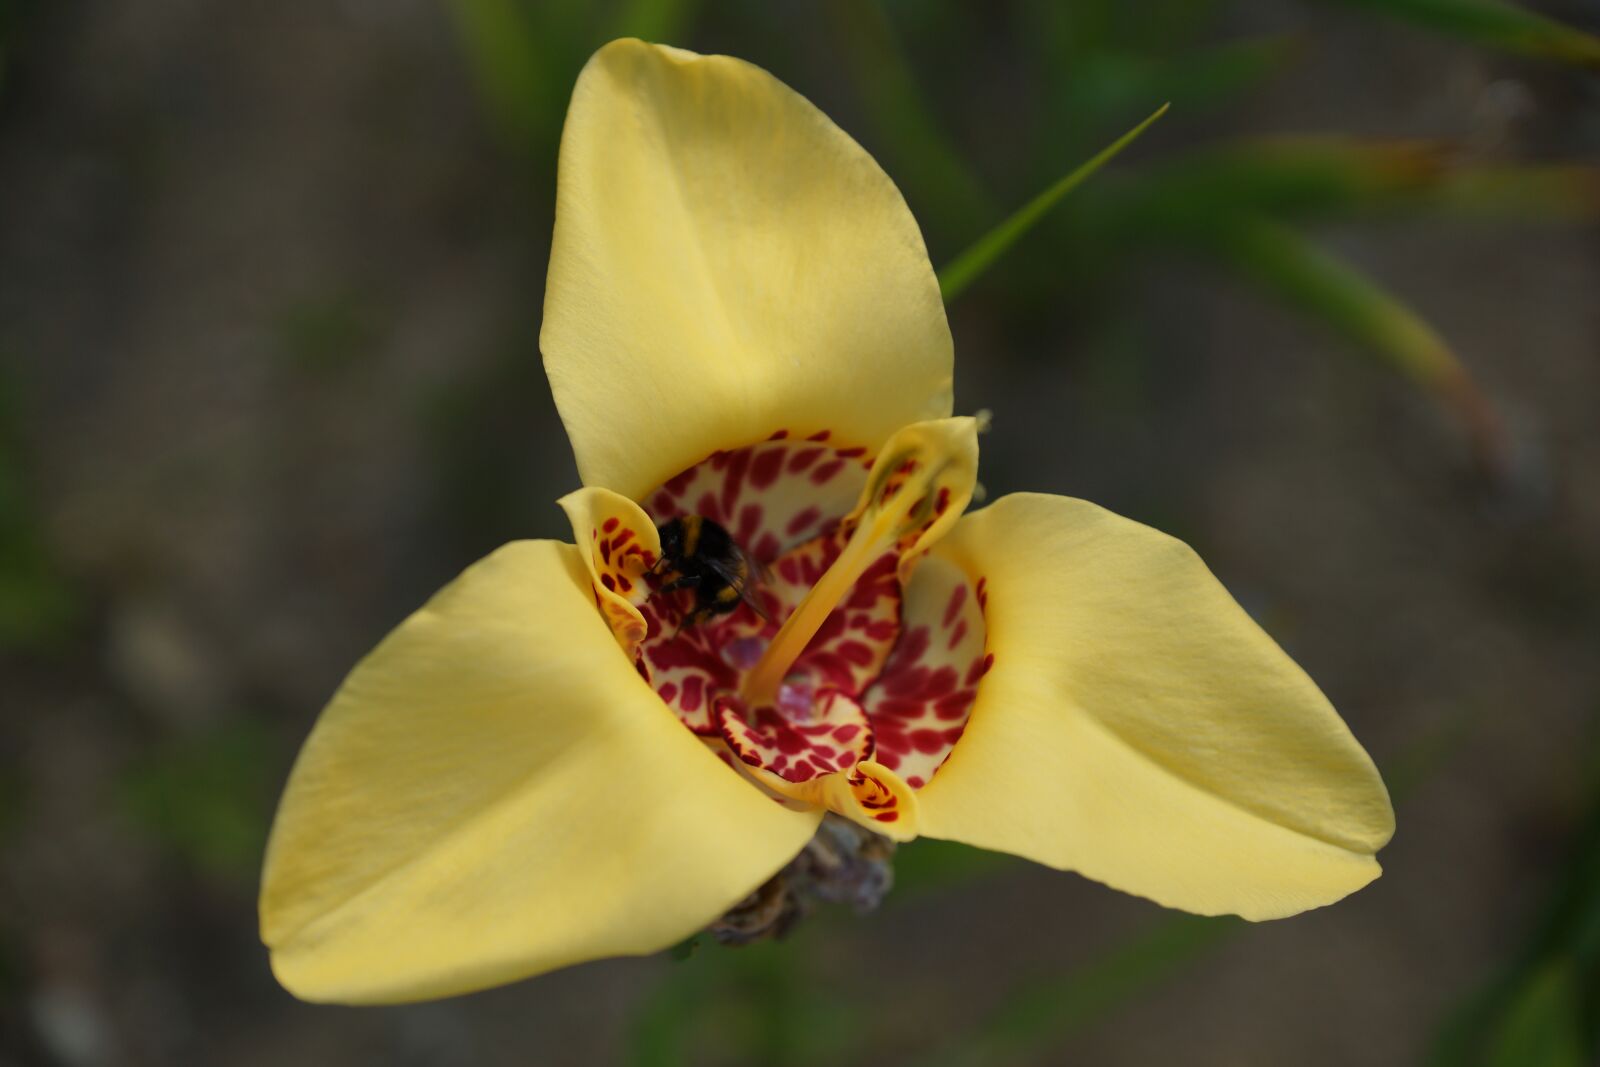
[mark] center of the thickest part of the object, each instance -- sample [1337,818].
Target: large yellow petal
[1136,726]
[727,263]
[494,792]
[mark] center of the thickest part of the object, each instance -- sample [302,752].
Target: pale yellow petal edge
[727,263]
[1139,728]
[494,793]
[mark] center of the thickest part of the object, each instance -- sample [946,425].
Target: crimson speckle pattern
[888,678]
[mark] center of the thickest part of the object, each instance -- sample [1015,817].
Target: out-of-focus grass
[1044,1011]
[1492,23]
[525,55]
[1330,290]
[1323,178]
[1243,206]
[1543,1009]
[518,63]
[927,866]
[207,798]
[38,606]
[766,1003]
[10,802]
[1543,1024]
[478,488]
[330,332]
[920,149]
[10,16]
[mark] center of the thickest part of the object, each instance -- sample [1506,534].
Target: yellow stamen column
[920,484]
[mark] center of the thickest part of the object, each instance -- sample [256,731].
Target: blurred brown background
[270,280]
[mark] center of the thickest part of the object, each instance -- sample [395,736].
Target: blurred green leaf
[926,864]
[1331,291]
[1326,177]
[524,58]
[1561,193]
[38,606]
[1040,1013]
[8,32]
[759,1003]
[1205,77]
[1541,1026]
[1413,766]
[966,267]
[466,424]
[330,332]
[208,798]
[664,21]
[659,1036]
[1089,63]
[526,54]
[793,1020]
[11,796]
[931,171]
[499,43]
[1278,177]
[1493,23]
[1543,1008]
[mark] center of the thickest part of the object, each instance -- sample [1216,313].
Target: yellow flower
[741,323]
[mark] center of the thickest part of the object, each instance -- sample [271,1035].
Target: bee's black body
[701,555]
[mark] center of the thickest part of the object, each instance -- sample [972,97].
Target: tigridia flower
[553,762]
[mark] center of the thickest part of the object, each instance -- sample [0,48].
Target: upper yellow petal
[494,792]
[726,263]
[1138,727]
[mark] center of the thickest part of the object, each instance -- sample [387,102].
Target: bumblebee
[701,555]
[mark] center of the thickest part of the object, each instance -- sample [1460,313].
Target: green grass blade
[1496,24]
[1316,178]
[1547,193]
[1281,176]
[1330,290]
[966,267]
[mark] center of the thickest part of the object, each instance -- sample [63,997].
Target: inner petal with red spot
[849,687]
[827,734]
[769,496]
[920,702]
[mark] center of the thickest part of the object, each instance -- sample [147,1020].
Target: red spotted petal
[817,734]
[919,705]
[771,495]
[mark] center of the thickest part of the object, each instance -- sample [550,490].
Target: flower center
[844,662]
